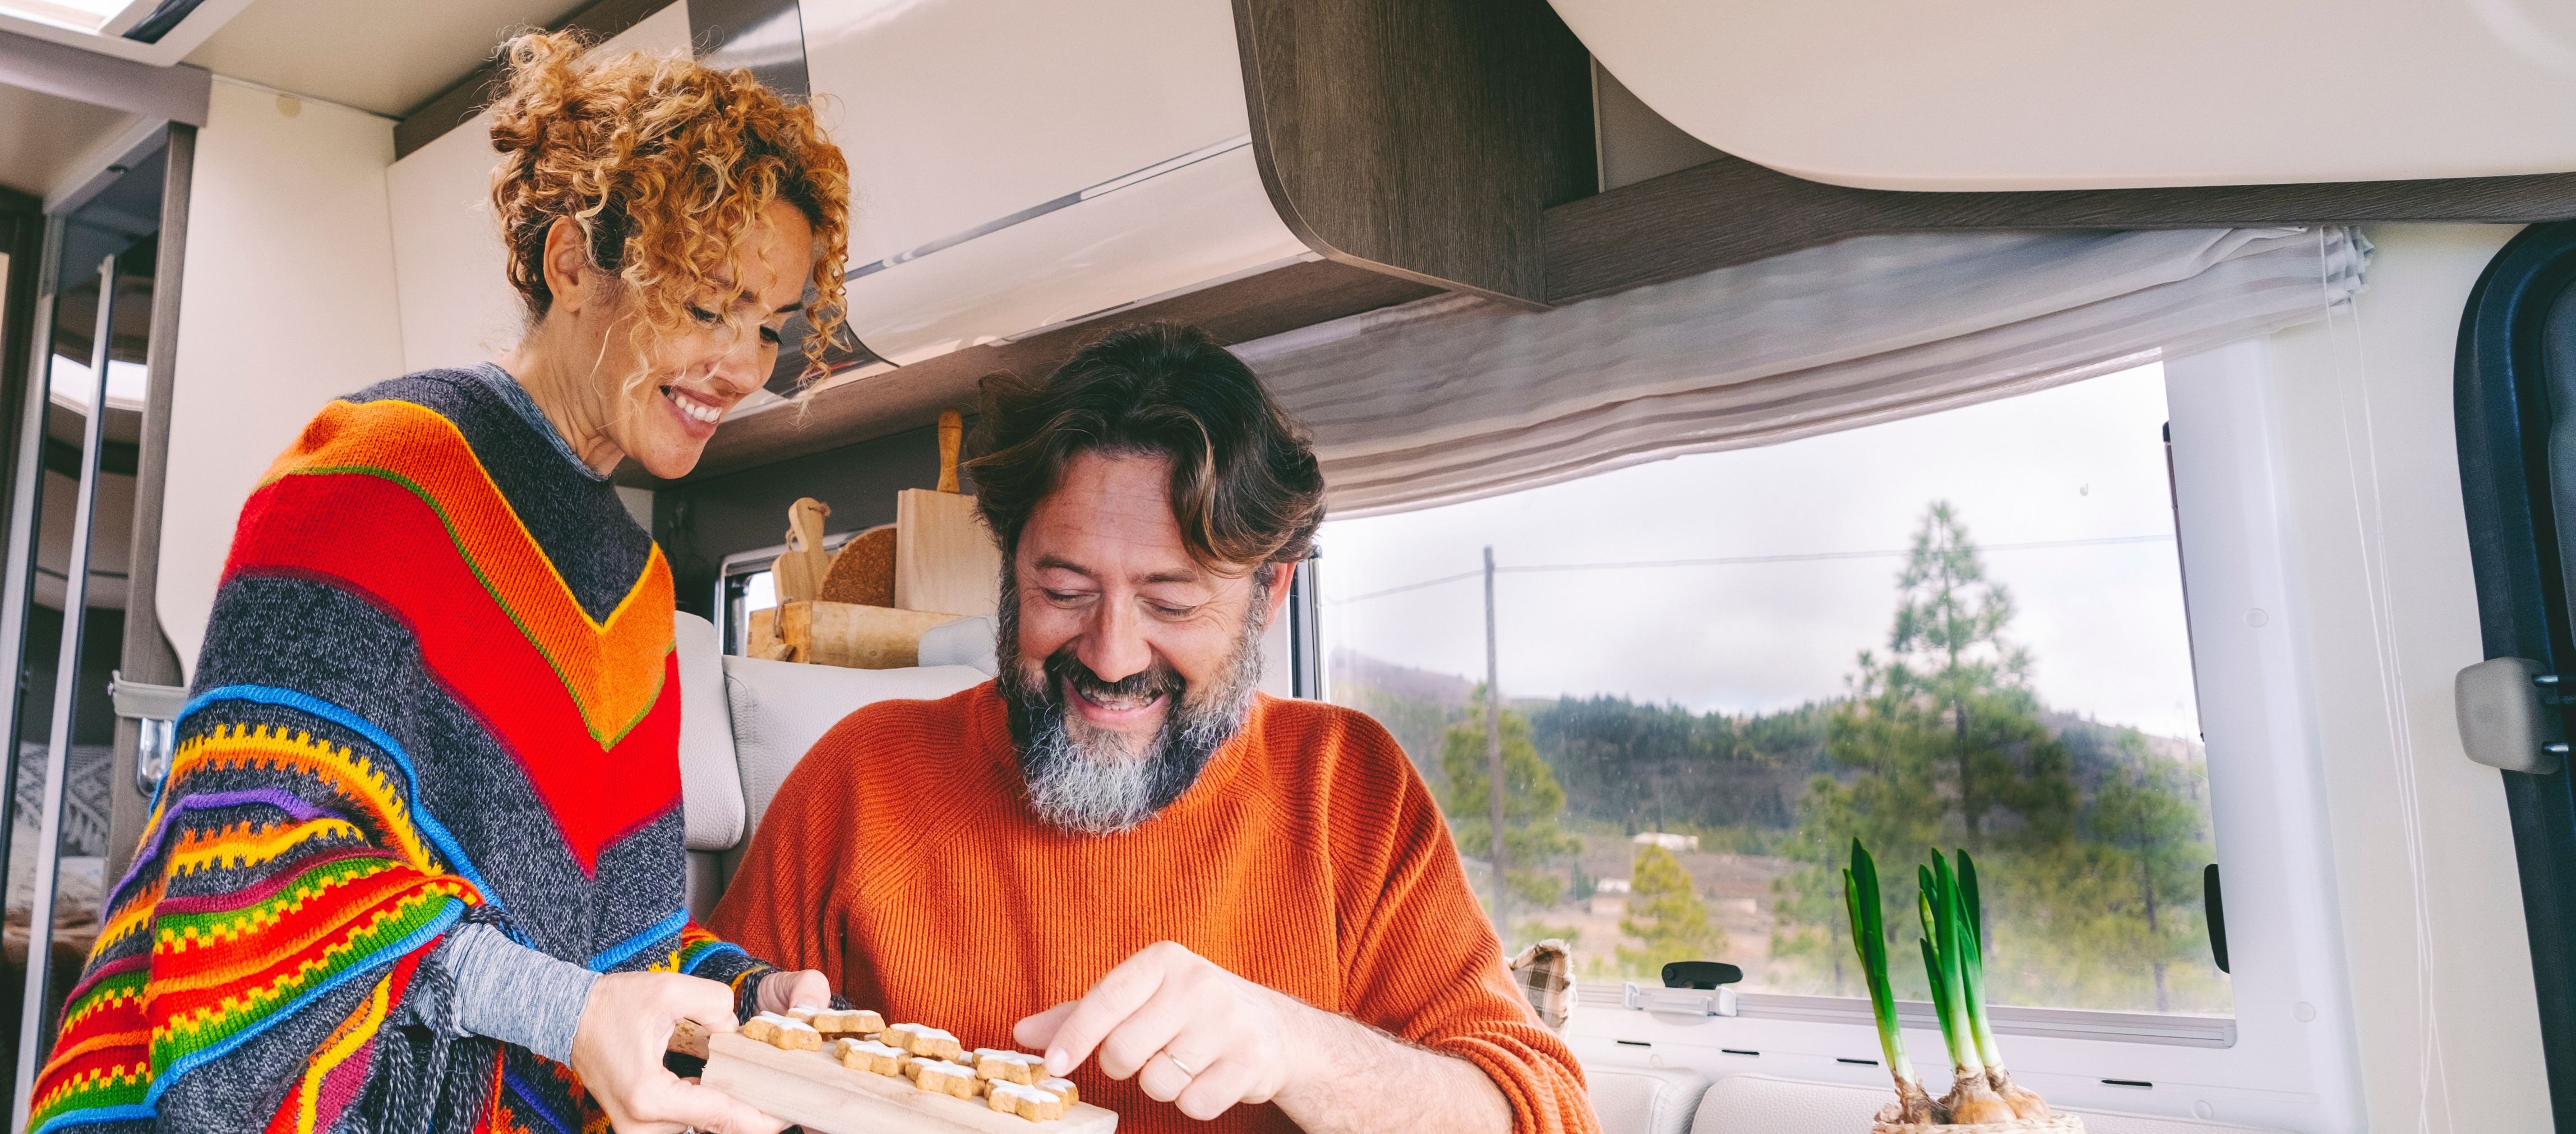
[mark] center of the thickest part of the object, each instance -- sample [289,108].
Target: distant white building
[1668,842]
[1611,886]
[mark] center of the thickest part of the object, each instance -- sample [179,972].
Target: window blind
[1454,398]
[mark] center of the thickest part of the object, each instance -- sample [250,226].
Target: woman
[427,791]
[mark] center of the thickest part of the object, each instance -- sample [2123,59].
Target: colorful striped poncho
[438,686]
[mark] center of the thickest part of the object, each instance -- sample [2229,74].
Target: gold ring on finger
[1186,1069]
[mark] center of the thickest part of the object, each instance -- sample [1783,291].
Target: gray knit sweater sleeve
[512,993]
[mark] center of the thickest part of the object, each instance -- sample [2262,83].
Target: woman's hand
[782,990]
[617,1052]
[1189,1032]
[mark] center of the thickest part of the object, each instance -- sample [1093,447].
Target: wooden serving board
[814,1091]
[944,559]
[838,633]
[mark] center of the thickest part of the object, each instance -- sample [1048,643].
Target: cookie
[953,1079]
[856,1022]
[922,1039]
[783,1032]
[1009,1066]
[1027,1102]
[868,1055]
[1063,1088]
[837,1024]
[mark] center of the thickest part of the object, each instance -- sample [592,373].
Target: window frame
[2288,1056]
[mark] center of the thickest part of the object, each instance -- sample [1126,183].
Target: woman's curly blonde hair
[665,165]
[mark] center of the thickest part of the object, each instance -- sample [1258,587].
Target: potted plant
[1983,1098]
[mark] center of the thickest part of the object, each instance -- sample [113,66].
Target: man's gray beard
[1090,781]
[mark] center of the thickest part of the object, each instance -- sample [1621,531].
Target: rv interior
[1660,357]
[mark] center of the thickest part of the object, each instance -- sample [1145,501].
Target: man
[1247,909]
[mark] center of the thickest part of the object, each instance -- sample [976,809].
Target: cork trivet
[862,573]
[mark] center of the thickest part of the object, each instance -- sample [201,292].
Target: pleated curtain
[1454,398]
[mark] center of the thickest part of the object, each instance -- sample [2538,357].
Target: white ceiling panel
[2047,94]
[48,136]
[384,56]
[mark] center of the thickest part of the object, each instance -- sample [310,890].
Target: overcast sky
[2103,623]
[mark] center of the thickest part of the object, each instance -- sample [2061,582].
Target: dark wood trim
[1282,300]
[721,31]
[145,655]
[1420,138]
[1731,211]
[22,232]
[458,104]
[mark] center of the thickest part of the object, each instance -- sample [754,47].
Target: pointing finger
[1110,1002]
[1039,1030]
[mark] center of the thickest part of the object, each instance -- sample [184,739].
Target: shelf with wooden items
[867,606]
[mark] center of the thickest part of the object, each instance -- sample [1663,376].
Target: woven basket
[2057,1122]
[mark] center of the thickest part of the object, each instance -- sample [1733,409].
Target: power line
[1741,560]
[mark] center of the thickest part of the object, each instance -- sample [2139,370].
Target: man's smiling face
[1103,576]
[1126,662]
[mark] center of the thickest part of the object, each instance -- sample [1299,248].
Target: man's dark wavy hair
[1245,487]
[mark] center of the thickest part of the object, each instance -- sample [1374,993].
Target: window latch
[155,712]
[1680,1001]
[2509,715]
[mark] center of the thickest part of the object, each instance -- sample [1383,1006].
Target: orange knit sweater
[900,860]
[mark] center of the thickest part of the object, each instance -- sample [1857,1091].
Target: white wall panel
[2443,996]
[457,305]
[289,301]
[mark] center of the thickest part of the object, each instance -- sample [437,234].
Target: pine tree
[2147,813]
[1665,915]
[1533,804]
[1942,743]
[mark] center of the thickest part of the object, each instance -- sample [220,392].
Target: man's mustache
[1155,680]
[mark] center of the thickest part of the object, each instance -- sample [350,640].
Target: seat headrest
[781,708]
[711,803]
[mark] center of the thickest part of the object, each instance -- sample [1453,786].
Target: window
[1965,629]
[744,584]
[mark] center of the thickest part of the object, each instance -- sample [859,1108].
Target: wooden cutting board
[944,560]
[814,1091]
[843,634]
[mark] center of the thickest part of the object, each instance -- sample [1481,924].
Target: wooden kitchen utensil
[813,1090]
[798,573]
[944,560]
[846,634]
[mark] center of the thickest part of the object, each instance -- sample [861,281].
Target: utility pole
[1494,749]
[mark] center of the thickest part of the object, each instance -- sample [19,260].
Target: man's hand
[782,990]
[1203,1039]
[617,1052]
[1190,1033]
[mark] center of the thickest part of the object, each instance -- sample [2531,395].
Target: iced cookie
[786,1033]
[1027,1102]
[1009,1066]
[837,1024]
[1063,1088]
[868,1055]
[953,1079]
[922,1039]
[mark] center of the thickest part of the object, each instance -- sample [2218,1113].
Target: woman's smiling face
[657,397]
